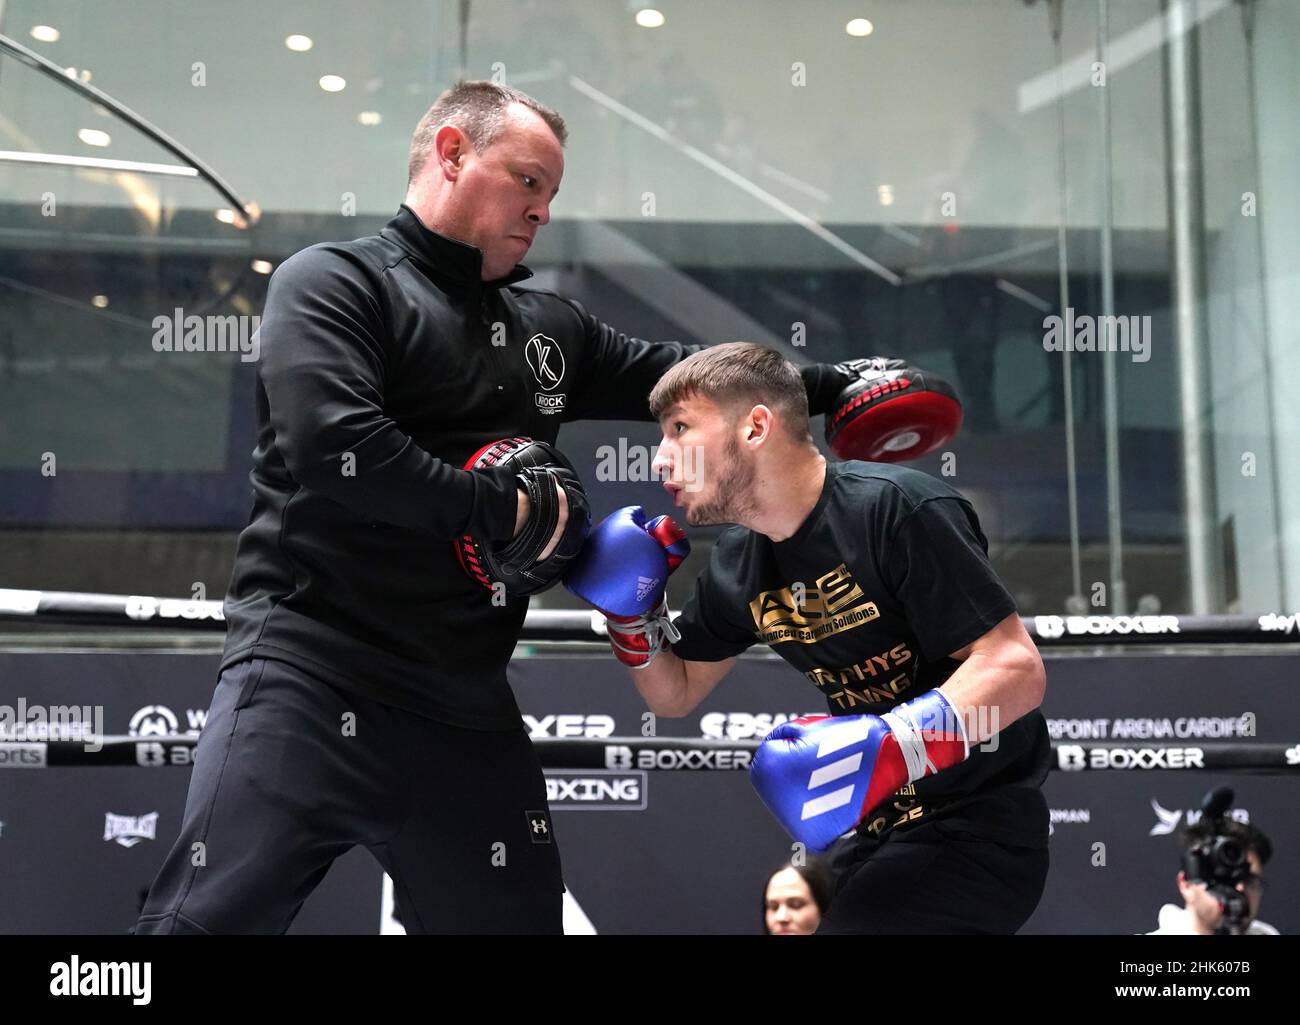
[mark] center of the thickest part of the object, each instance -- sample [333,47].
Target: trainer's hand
[521,517]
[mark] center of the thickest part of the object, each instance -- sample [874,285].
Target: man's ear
[449,145]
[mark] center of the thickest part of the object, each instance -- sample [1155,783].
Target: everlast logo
[807,614]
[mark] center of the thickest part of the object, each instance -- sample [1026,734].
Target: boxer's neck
[787,496]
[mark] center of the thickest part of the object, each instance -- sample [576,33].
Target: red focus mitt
[890,411]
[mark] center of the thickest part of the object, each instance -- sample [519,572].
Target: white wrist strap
[657,626]
[907,731]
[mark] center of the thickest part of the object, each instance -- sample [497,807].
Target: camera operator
[1222,876]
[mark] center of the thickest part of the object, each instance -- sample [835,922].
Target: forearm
[378,472]
[325,361]
[990,691]
[673,687]
[662,685]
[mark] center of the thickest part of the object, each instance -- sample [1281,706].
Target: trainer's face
[502,196]
[703,465]
[790,908]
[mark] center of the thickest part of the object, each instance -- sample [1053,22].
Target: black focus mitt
[514,563]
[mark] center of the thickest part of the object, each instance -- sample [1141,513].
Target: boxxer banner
[692,843]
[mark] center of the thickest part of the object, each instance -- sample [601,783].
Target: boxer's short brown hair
[738,376]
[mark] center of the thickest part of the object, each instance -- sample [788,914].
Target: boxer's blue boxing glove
[821,775]
[622,571]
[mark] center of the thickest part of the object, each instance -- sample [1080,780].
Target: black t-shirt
[887,576]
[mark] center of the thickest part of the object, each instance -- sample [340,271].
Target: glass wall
[940,189]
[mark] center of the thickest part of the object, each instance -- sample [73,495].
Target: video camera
[1219,861]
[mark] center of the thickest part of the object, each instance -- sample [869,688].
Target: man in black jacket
[363,694]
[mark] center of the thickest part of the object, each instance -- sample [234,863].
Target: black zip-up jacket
[385,363]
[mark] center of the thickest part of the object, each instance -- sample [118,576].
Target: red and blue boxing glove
[623,571]
[821,775]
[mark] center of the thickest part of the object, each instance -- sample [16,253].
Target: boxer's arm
[938,567]
[323,363]
[708,645]
[673,687]
[1001,673]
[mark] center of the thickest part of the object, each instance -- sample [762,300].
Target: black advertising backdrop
[664,851]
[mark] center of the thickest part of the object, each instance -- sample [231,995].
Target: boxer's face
[789,908]
[703,464]
[502,196]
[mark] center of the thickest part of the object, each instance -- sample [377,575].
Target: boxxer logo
[1052,627]
[619,756]
[1074,758]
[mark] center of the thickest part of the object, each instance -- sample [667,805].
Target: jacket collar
[447,257]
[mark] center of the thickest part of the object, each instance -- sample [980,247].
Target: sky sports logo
[73,978]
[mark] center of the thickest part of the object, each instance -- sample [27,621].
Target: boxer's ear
[758,421]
